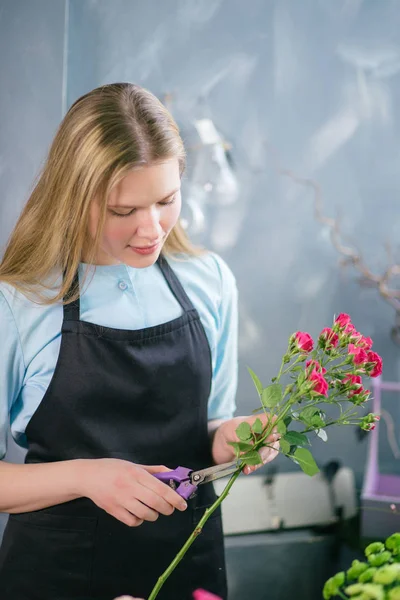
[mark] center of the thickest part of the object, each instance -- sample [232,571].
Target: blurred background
[279,102]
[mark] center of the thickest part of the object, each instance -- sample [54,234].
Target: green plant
[378,578]
[327,376]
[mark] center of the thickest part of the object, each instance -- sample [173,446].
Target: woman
[118,360]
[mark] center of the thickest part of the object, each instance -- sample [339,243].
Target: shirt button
[122,285]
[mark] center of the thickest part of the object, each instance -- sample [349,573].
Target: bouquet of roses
[320,377]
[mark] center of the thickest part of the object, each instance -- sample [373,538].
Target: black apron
[137,395]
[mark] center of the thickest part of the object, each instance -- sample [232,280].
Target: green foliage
[281,427]
[257,426]
[271,395]
[394,593]
[306,461]
[285,446]
[287,420]
[243,431]
[356,569]
[240,447]
[377,579]
[374,548]
[259,386]
[252,458]
[393,544]
[296,438]
[377,560]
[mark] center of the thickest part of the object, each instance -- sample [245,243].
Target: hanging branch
[350,255]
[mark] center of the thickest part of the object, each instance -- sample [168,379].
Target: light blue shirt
[122,297]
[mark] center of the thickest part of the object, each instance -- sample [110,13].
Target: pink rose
[330,338]
[342,320]
[304,341]
[376,368]
[372,425]
[360,340]
[353,380]
[350,330]
[362,396]
[360,357]
[365,342]
[314,364]
[321,385]
[204,595]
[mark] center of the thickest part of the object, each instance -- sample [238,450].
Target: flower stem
[207,514]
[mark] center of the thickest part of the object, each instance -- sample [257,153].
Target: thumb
[154,469]
[127,598]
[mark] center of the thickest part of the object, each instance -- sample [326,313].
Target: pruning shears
[185,481]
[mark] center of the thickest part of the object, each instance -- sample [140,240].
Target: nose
[148,225]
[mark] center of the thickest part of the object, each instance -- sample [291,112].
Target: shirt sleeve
[11,369]
[222,402]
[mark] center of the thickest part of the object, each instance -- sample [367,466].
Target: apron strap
[72,310]
[174,284]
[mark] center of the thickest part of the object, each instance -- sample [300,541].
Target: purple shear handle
[179,480]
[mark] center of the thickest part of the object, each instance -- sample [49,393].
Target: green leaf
[244,431]
[257,426]
[235,446]
[252,458]
[241,446]
[281,427]
[307,414]
[316,421]
[256,381]
[285,446]
[296,438]
[287,420]
[306,461]
[301,379]
[271,395]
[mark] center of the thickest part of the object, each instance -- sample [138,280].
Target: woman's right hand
[128,491]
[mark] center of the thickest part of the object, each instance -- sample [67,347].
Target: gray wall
[31,91]
[314,82]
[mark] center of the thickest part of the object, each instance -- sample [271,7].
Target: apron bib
[140,396]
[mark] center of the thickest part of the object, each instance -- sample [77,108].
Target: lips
[145,249]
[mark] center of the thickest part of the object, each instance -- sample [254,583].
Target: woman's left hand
[226,432]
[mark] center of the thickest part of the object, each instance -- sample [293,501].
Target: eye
[171,201]
[117,214]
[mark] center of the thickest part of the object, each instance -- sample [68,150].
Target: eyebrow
[163,200]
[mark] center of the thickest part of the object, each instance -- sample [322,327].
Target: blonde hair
[105,134]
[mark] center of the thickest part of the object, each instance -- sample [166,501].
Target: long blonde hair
[105,134]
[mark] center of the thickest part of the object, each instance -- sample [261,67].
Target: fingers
[162,490]
[156,502]
[141,511]
[267,454]
[145,497]
[126,517]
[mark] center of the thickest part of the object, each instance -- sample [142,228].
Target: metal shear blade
[213,473]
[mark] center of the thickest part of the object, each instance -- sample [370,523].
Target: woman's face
[141,211]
